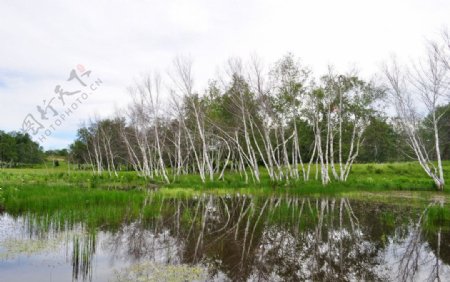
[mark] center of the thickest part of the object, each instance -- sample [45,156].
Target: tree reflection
[272,239]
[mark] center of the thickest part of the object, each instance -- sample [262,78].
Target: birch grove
[257,120]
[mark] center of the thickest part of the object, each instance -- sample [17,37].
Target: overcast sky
[42,41]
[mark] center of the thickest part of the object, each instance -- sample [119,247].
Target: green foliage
[442,114]
[382,143]
[59,153]
[17,149]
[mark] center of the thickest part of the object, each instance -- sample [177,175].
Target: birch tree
[183,80]
[424,84]
[290,82]
[240,103]
[151,91]
[348,112]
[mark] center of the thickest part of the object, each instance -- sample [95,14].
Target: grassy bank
[407,176]
[58,197]
[382,182]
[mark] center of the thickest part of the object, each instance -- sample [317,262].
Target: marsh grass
[69,205]
[438,216]
[73,196]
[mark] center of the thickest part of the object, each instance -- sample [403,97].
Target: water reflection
[241,238]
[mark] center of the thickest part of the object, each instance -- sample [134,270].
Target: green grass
[384,182]
[68,205]
[75,196]
[62,208]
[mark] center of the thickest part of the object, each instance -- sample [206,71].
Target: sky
[120,41]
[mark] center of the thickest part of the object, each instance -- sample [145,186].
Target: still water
[239,238]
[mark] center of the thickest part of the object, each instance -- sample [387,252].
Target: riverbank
[407,176]
[389,182]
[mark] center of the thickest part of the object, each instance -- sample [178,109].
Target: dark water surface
[228,239]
